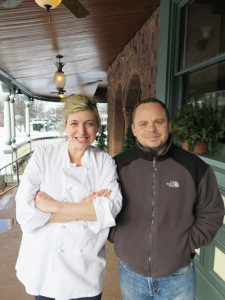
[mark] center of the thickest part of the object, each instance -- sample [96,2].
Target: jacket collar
[148,153]
[84,160]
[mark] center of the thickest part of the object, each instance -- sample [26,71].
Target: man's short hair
[151,100]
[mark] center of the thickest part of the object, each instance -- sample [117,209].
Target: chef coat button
[64,226]
[81,250]
[61,251]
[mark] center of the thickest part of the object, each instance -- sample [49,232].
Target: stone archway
[139,56]
[117,130]
[132,97]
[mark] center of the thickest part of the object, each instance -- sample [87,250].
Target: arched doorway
[118,123]
[132,97]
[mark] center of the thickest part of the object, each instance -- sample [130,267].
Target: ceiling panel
[29,43]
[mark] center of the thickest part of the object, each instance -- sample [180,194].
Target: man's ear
[133,129]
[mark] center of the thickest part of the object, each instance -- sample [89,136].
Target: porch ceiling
[29,43]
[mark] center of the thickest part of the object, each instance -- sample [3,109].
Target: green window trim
[170,90]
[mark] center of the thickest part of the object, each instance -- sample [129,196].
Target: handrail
[11,173]
[27,146]
[14,161]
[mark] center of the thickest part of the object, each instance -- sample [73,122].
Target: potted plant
[129,140]
[101,139]
[195,123]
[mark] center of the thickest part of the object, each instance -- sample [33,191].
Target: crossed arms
[67,211]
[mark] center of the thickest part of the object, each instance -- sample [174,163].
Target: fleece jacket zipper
[152,223]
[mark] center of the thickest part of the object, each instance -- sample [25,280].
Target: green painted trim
[217,163]
[217,160]
[169,89]
[205,266]
[208,260]
[8,142]
[204,288]
[8,151]
[183,2]
[163,58]
[11,83]
[207,63]
[219,239]
[169,32]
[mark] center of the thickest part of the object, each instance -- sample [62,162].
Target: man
[171,207]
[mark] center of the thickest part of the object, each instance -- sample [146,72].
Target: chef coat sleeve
[107,208]
[28,216]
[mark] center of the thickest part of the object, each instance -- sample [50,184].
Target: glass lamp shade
[48,3]
[59,80]
[62,96]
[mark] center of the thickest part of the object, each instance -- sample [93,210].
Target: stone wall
[132,77]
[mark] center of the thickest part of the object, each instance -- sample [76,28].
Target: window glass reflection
[207,85]
[202,31]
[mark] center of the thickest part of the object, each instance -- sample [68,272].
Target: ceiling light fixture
[48,4]
[59,77]
[62,94]
[206,32]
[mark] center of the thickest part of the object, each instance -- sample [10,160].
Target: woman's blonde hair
[75,103]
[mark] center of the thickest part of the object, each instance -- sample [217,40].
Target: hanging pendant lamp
[59,77]
[48,4]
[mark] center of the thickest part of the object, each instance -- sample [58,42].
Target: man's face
[151,126]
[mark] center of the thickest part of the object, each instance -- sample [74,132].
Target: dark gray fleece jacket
[171,206]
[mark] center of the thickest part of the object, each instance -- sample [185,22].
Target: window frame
[169,77]
[169,90]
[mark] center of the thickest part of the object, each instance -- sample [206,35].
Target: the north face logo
[173,184]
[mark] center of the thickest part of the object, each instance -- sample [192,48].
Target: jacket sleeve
[107,208]
[28,216]
[209,212]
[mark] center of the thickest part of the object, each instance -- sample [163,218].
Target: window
[200,70]
[202,31]
[207,85]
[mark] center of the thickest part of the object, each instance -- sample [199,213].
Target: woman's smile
[81,140]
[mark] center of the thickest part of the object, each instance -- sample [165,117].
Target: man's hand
[45,203]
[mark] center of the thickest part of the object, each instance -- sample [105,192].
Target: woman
[67,200]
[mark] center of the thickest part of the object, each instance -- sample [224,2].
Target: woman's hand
[45,203]
[66,211]
[103,193]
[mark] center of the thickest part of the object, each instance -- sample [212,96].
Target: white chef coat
[65,260]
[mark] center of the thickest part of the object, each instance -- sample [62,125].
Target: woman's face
[81,128]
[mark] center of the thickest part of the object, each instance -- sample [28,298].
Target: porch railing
[11,173]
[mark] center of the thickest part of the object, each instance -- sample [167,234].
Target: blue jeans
[178,286]
[86,298]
